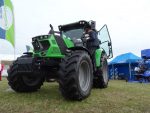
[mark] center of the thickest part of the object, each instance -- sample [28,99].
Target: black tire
[24,82]
[76,76]
[101,75]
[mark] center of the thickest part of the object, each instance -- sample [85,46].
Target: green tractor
[62,56]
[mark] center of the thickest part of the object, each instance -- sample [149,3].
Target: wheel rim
[84,75]
[31,80]
[105,71]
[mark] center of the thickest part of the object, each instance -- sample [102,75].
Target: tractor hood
[51,45]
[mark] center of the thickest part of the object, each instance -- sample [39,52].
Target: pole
[113,70]
[130,70]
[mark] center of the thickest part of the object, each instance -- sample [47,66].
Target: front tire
[76,76]
[24,82]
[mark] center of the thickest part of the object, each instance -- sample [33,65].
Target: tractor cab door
[104,37]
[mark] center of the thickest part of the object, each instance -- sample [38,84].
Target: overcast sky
[128,21]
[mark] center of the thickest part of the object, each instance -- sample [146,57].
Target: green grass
[119,97]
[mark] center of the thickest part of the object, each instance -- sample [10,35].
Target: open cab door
[104,37]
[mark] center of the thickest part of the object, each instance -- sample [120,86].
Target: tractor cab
[75,31]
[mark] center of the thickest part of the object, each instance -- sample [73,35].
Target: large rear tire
[24,82]
[101,75]
[76,76]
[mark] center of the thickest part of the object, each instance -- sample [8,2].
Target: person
[1,69]
[92,42]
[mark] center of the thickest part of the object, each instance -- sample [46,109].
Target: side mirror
[109,43]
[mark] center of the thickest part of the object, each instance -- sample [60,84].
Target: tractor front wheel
[76,76]
[22,81]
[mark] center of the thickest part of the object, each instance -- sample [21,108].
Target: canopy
[145,53]
[125,58]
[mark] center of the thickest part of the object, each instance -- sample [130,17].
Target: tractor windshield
[74,33]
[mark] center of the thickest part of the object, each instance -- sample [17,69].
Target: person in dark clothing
[92,42]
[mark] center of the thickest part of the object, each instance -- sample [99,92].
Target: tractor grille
[45,45]
[36,46]
[41,45]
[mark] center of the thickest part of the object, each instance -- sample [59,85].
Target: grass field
[119,97]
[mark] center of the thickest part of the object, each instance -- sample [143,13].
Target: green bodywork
[98,55]
[68,42]
[54,50]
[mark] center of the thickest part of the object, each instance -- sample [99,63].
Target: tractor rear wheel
[76,76]
[101,75]
[24,82]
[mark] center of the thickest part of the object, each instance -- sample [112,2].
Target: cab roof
[75,25]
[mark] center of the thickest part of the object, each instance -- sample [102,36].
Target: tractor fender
[98,56]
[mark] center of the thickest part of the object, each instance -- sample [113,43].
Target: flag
[7,21]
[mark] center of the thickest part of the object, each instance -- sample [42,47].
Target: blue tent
[123,65]
[125,58]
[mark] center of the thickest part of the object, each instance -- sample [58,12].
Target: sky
[128,21]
